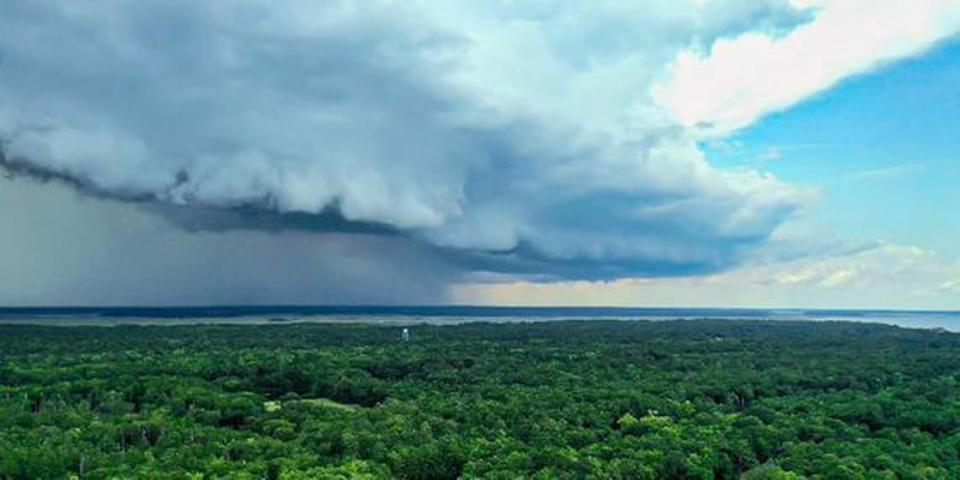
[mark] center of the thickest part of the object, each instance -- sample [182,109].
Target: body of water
[404,315]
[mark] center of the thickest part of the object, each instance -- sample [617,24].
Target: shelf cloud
[542,139]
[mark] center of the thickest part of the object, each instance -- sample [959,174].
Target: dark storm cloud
[513,141]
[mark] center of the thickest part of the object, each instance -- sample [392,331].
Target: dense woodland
[572,399]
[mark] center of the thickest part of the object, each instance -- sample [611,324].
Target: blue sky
[884,147]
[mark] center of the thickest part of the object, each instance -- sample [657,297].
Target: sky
[766,153]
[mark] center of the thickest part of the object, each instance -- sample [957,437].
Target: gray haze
[61,248]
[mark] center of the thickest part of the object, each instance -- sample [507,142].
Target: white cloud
[951,286]
[740,79]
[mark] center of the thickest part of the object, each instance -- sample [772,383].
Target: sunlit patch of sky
[883,148]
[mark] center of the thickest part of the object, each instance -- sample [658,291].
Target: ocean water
[409,315]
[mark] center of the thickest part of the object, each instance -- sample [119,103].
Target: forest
[692,399]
